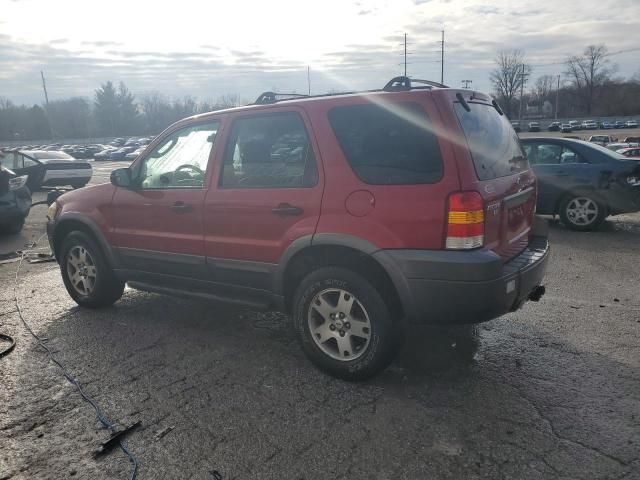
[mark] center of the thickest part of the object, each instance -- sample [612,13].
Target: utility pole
[521,92]
[557,94]
[405,54]
[309,79]
[44,87]
[466,83]
[46,101]
[442,59]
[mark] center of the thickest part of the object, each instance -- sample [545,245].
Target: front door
[559,169]
[268,194]
[24,165]
[158,223]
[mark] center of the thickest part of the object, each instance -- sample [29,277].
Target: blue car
[582,182]
[121,153]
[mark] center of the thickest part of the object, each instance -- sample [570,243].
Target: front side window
[269,151]
[388,144]
[552,154]
[180,160]
[543,154]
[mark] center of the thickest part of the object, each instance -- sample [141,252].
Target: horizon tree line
[587,85]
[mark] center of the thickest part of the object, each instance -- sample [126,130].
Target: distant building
[539,109]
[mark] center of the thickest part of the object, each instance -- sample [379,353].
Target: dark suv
[354,212]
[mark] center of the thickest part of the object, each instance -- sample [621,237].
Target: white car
[631,124]
[619,146]
[589,125]
[60,169]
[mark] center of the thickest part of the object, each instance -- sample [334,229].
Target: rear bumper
[447,287]
[623,200]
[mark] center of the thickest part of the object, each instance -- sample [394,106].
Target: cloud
[363,48]
[102,43]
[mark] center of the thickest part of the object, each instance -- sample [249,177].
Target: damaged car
[582,182]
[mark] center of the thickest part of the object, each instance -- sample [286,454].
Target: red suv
[354,212]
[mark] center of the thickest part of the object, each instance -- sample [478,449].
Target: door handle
[181,207]
[287,209]
[562,174]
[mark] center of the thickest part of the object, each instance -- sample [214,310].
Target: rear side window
[493,143]
[388,144]
[269,151]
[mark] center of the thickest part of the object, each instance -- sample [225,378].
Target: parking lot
[551,391]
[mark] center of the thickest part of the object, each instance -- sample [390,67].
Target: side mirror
[121,177]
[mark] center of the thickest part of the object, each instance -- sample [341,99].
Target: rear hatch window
[388,143]
[507,184]
[494,145]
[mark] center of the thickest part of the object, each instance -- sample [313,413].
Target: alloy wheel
[339,324]
[582,211]
[81,270]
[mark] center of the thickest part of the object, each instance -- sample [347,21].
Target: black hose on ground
[12,344]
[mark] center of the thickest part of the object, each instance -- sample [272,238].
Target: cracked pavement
[549,392]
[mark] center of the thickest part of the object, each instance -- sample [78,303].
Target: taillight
[465,226]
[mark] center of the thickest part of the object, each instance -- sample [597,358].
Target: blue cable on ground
[103,420]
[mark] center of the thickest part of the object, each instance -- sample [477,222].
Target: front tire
[582,211]
[344,325]
[86,274]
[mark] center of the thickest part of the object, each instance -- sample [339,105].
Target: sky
[205,49]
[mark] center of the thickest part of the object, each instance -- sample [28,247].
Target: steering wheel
[197,178]
[186,166]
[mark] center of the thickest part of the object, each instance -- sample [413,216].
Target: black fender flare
[95,230]
[379,255]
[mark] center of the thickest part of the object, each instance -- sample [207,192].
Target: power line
[442,61]
[629,50]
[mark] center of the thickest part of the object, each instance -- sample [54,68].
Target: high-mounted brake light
[465,225]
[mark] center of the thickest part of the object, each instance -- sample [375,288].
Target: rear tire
[344,325]
[582,211]
[86,273]
[76,185]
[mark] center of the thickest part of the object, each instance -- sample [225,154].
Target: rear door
[494,165]
[266,194]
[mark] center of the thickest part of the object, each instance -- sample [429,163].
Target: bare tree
[511,73]
[228,100]
[543,87]
[588,72]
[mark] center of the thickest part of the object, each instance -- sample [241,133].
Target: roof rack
[406,83]
[396,84]
[272,97]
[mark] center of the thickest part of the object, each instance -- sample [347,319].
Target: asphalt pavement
[549,392]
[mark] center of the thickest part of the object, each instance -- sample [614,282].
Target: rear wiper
[463,102]
[497,107]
